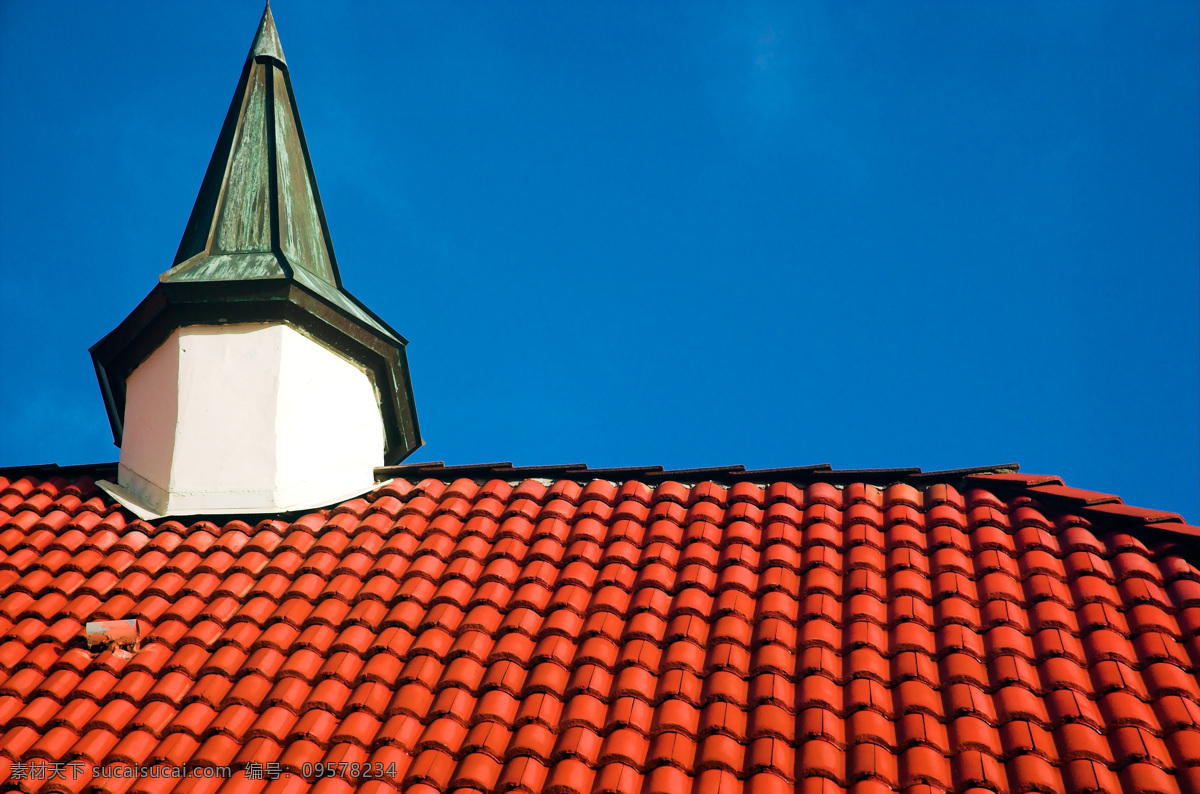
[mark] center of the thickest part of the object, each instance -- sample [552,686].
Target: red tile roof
[562,629]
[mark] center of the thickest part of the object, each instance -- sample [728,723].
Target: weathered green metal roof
[257,249]
[266,40]
[258,214]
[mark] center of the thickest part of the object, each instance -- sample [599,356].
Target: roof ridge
[55,469]
[822,472]
[1100,508]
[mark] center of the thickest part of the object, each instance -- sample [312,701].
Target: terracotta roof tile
[684,631]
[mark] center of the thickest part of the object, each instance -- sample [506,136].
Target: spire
[257,249]
[258,214]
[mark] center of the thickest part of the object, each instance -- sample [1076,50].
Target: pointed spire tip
[266,40]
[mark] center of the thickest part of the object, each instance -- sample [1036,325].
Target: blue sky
[689,234]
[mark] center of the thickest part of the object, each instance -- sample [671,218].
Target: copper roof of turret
[259,214]
[266,41]
[257,249]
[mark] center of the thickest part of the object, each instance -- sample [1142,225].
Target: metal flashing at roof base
[147,513]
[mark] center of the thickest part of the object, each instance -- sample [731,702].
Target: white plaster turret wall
[252,418]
